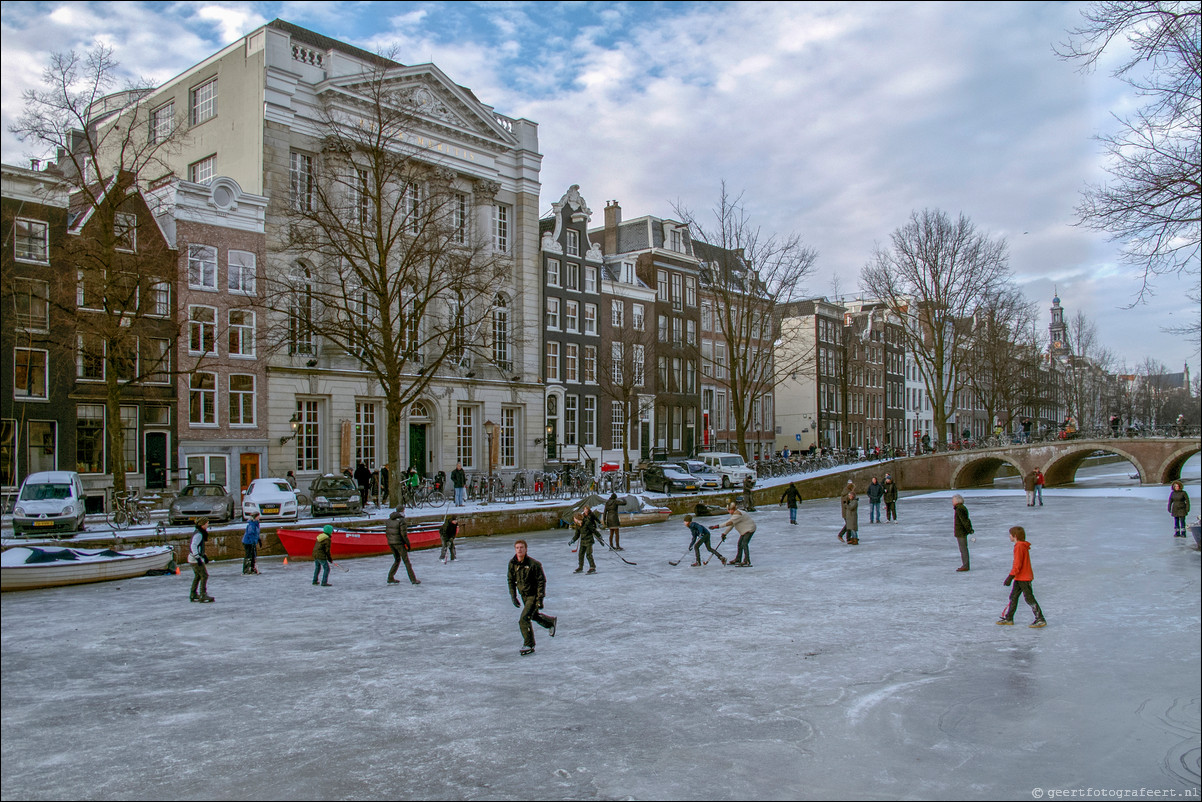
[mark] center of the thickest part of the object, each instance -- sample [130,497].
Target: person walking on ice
[397,533]
[447,533]
[745,526]
[321,555]
[701,537]
[961,528]
[251,541]
[1021,576]
[792,497]
[613,521]
[526,578]
[890,498]
[587,531]
[199,561]
[1178,508]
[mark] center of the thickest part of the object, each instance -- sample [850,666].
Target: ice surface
[825,671]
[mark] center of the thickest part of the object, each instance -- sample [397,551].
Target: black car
[334,495]
[668,478]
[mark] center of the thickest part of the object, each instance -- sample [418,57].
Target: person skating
[962,528]
[1178,508]
[251,541]
[875,492]
[792,497]
[851,486]
[397,532]
[587,531]
[459,481]
[446,534]
[890,498]
[613,521]
[321,555]
[701,537]
[526,578]
[199,562]
[1029,487]
[748,484]
[1039,483]
[1021,576]
[745,526]
[851,517]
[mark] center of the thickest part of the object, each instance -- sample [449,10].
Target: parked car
[731,467]
[49,502]
[666,478]
[201,500]
[334,495]
[706,478]
[273,499]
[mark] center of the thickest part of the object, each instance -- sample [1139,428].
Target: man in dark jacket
[749,483]
[890,498]
[459,481]
[876,492]
[450,528]
[791,496]
[363,479]
[587,531]
[397,532]
[526,578]
[962,529]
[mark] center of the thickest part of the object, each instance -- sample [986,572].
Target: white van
[49,502]
[731,467]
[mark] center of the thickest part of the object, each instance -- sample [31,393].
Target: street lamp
[294,422]
[490,431]
[552,451]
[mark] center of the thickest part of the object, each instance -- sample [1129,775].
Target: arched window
[500,334]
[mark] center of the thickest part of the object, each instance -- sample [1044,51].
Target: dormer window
[573,243]
[628,273]
[677,240]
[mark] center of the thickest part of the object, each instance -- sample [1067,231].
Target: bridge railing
[1053,436]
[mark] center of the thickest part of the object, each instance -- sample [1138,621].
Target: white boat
[29,567]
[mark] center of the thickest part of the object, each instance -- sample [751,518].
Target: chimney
[613,219]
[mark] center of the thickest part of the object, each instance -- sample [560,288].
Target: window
[588,421]
[202,329]
[308,436]
[676,338]
[590,279]
[677,382]
[500,333]
[241,332]
[719,412]
[89,358]
[124,357]
[615,358]
[459,217]
[202,172]
[129,445]
[31,241]
[160,298]
[552,361]
[158,360]
[411,208]
[162,122]
[663,328]
[365,433]
[500,228]
[707,316]
[457,327]
[89,438]
[125,232]
[202,399]
[465,431]
[661,372]
[241,274]
[690,291]
[300,179]
[590,319]
[570,361]
[617,425]
[571,406]
[677,240]
[552,272]
[639,360]
[202,267]
[301,339]
[638,317]
[41,447]
[509,437]
[553,313]
[359,204]
[30,373]
[677,300]
[616,314]
[571,315]
[690,376]
[719,360]
[573,243]
[628,276]
[32,301]
[204,102]
[88,294]
[661,284]
[707,358]
[690,332]
[590,364]
[571,276]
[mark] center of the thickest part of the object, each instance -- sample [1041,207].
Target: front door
[248,469]
[156,460]
[417,447]
[645,439]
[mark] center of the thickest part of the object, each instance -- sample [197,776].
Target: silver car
[201,501]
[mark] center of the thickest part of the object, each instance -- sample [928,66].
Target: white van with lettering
[731,467]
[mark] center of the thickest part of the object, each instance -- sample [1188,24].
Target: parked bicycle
[129,510]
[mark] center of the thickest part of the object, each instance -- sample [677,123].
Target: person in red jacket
[1021,576]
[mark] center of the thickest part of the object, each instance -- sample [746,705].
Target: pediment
[431,95]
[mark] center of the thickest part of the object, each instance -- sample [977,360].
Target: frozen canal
[823,672]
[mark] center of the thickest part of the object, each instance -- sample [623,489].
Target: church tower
[1057,332]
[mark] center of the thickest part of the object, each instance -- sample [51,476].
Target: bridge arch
[1062,469]
[1170,469]
[981,471]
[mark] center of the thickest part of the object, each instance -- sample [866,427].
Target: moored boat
[30,567]
[633,509]
[354,542]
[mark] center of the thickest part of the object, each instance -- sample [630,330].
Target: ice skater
[792,497]
[587,532]
[397,532]
[321,555]
[701,537]
[251,541]
[1021,576]
[748,484]
[199,562]
[526,578]
[876,492]
[1178,508]
[890,498]
[961,528]
[446,534]
[851,517]
[1039,483]
[613,521]
[742,523]
[1029,487]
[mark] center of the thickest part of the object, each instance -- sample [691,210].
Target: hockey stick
[619,556]
[340,567]
[679,561]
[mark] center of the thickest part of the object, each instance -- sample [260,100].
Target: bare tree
[750,275]
[1003,354]
[1152,205]
[1085,373]
[935,276]
[624,375]
[108,144]
[390,263]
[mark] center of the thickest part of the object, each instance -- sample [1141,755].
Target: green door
[417,447]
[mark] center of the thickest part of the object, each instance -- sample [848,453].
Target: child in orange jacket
[1021,576]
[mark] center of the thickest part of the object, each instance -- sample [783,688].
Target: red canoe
[299,542]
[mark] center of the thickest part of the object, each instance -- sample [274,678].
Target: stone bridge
[1158,462]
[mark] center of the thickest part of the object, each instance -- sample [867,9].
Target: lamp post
[490,431]
[552,446]
[294,422]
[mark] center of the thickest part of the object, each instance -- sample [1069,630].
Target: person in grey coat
[962,528]
[613,521]
[851,517]
[397,532]
[1178,508]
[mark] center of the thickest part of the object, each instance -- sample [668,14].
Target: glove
[1008,580]
[540,604]
[208,560]
[515,601]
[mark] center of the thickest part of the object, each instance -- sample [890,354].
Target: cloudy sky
[836,120]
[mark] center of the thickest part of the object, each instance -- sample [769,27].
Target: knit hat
[327,529]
